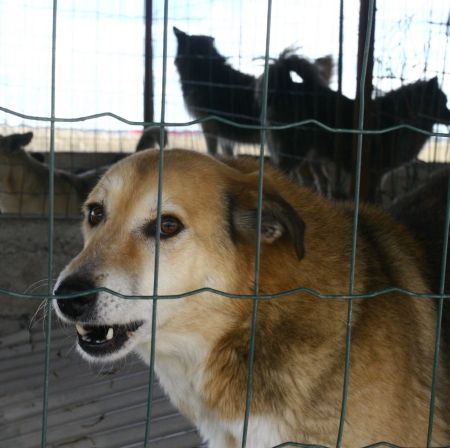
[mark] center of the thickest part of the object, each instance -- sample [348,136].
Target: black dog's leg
[227,148]
[211,144]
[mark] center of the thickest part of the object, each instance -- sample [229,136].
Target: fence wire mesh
[263,127]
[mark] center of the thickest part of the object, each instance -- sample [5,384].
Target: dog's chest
[181,384]
[184,387]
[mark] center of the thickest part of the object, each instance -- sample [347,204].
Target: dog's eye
[170,226]
[96,214]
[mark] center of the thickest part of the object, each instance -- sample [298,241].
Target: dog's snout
[77,308]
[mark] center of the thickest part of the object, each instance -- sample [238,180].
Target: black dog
[212,87]
[420,104]
[312,99]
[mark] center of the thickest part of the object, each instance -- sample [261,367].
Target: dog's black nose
[78,308]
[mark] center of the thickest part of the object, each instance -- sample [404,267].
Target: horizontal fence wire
[267,127]
[261,296]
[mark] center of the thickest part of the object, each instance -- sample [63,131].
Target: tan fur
[300,339]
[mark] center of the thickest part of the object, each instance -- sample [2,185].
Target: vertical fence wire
[362,81]
[49,300]
[151,378]
[439,320]
[263,134]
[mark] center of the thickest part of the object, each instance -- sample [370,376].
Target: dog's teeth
[110,334]
[81,331]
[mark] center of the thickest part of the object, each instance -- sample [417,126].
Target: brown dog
[24,181]
[207,232]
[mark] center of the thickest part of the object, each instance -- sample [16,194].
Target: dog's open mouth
[99,340]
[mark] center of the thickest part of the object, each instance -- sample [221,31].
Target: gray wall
[24,259]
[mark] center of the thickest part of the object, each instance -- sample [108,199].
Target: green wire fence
[256,297]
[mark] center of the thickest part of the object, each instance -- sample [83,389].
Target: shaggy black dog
[212,87]
[289,102]
[420,104]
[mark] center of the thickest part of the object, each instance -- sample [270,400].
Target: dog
[150,138]
[406,178]
[207,240]
[289,101]
[24,181]
[423,212]
[421,104]
[212,87]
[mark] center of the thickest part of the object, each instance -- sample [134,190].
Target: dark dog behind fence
[212,87]
[421,105]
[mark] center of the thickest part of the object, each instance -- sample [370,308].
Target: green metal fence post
[49,300]
[263,121]
[151,379]
[348,338]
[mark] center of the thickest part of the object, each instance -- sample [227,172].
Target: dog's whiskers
[39,315]
[36,285]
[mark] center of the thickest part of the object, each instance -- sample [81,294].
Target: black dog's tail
[314,75]
[317,73]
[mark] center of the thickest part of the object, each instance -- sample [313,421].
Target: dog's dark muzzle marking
[78,308]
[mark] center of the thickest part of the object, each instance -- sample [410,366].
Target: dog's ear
[325,66]
[279,219]
[178,33]
[14,142]
[434,82]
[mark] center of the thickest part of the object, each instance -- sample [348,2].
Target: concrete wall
[24,259]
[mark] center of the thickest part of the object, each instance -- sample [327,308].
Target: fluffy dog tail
[313,73]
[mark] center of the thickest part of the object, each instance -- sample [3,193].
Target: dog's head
[422,99]
[207,240]
[14,161]
[194,46]
[435,102]
[13,144]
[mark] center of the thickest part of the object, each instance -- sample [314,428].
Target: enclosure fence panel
[264,126]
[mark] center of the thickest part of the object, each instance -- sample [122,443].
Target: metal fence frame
[257,296]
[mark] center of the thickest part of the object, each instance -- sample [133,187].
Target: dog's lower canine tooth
[81,330]
[110,334]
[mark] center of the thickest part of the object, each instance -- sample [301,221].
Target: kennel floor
[87,406]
